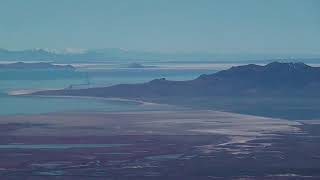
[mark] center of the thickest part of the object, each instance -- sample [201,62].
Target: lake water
[99,75]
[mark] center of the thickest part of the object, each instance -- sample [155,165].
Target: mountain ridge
[273,79]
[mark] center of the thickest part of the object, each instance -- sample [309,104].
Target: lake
[98,76]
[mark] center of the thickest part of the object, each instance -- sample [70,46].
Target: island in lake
[249,89]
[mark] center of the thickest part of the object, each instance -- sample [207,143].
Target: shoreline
[22,92]
[29,92]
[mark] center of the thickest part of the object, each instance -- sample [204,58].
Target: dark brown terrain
[157,145]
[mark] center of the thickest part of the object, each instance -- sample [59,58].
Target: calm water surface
[10,105]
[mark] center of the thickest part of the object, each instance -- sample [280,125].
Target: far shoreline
[30,93]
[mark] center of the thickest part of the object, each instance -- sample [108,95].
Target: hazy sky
[218,26]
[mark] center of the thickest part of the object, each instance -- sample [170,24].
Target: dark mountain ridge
[274,79]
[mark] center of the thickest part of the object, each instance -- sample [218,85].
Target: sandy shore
[29,92]
[20,92]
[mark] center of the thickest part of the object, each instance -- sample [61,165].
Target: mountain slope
[274,79]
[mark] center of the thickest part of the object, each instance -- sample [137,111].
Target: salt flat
[195,122]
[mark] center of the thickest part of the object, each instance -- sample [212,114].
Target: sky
[212,26]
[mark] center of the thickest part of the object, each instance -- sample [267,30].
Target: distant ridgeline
[274,79]
[35,66]
[37,71]
[117,55]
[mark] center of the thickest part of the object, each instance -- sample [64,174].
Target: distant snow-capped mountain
[68,54]
[61,51]
[115,54]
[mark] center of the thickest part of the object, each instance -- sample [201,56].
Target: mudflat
[195,144]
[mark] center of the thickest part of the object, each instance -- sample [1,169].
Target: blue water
[12,105]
